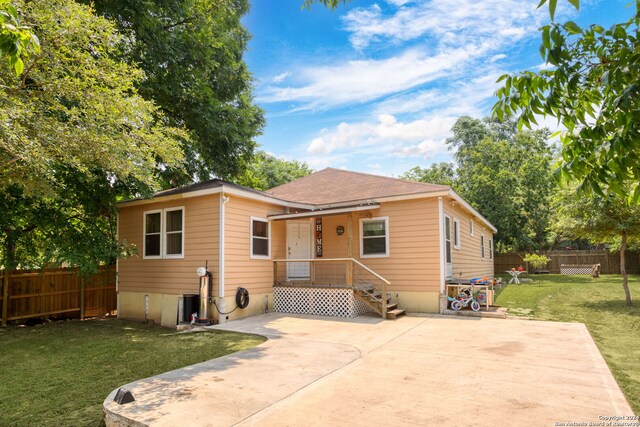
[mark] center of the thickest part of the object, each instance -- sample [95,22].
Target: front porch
[320,274]
[340,287]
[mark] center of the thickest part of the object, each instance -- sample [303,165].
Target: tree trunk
[623,269]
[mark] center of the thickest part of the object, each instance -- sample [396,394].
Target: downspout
[221,251]
[443,297]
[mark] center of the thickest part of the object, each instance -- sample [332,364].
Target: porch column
[350,235]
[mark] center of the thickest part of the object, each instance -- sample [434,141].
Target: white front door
[447,247]
[298,247]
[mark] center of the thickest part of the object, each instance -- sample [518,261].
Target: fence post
[5,296]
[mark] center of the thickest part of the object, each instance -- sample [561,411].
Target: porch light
[340,230]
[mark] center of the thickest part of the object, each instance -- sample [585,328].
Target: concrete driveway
[431,370]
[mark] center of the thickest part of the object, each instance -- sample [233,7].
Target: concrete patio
[429,370]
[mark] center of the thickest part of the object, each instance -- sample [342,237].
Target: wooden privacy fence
[609,261]
[57,291]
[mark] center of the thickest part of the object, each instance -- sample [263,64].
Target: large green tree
[75,105]
[267,171]
[74,136]
[601,219]
[191,52]
[509,180]
[592,87]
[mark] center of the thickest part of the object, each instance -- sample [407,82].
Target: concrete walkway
[432,370]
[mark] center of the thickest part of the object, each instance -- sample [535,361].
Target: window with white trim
[447,238]
[374,237]
[173,234]
[482,245]
[456,234]
[490,248]
[163,233]
[471,227]
[152,234]
[260,238]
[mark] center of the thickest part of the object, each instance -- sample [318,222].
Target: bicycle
[464,299]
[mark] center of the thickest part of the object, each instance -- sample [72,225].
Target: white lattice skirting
[575,269]
[318,301]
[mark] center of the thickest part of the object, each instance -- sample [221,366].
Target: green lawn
[59,374]
[598,303]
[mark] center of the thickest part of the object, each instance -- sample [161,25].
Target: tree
[16,40]
[74,105]
[191,53]
[600,219]
[593,90]
[438,173]
[76,226]
[267,171]
[74,137]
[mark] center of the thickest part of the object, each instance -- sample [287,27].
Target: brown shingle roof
[331,185]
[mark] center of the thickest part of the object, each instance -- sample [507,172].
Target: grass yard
[59,374]
[598,303]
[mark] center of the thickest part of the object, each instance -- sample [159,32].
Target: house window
[152,233]
[164,233]
[482,245]
[447,238]
[174,224]
[260,245]
[374,234]
[471,227]
[456,234]
[490,248]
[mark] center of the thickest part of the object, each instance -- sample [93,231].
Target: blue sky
[375,86]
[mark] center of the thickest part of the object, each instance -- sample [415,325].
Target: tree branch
[177,24]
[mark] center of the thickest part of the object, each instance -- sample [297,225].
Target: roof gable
[331,185]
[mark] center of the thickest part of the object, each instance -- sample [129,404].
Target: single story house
[333,243]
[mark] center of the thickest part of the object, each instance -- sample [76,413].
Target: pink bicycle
[464,299]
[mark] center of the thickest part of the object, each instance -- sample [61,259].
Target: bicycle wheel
[475,306]
[456,305]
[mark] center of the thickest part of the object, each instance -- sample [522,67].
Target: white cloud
[365,80]
[280,77]
[427,148]
[399,2]
[450,23]
[438,41]
[423,137]
[544,66]
[465,97]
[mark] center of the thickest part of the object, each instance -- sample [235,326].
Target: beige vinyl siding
[467,261]
[170,276]
[413,263]
[256,275]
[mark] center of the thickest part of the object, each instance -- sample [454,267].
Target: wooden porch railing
[346,272]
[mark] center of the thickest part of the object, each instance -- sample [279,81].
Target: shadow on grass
[614,306]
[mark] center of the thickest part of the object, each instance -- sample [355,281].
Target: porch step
[374,300]
[393,314]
